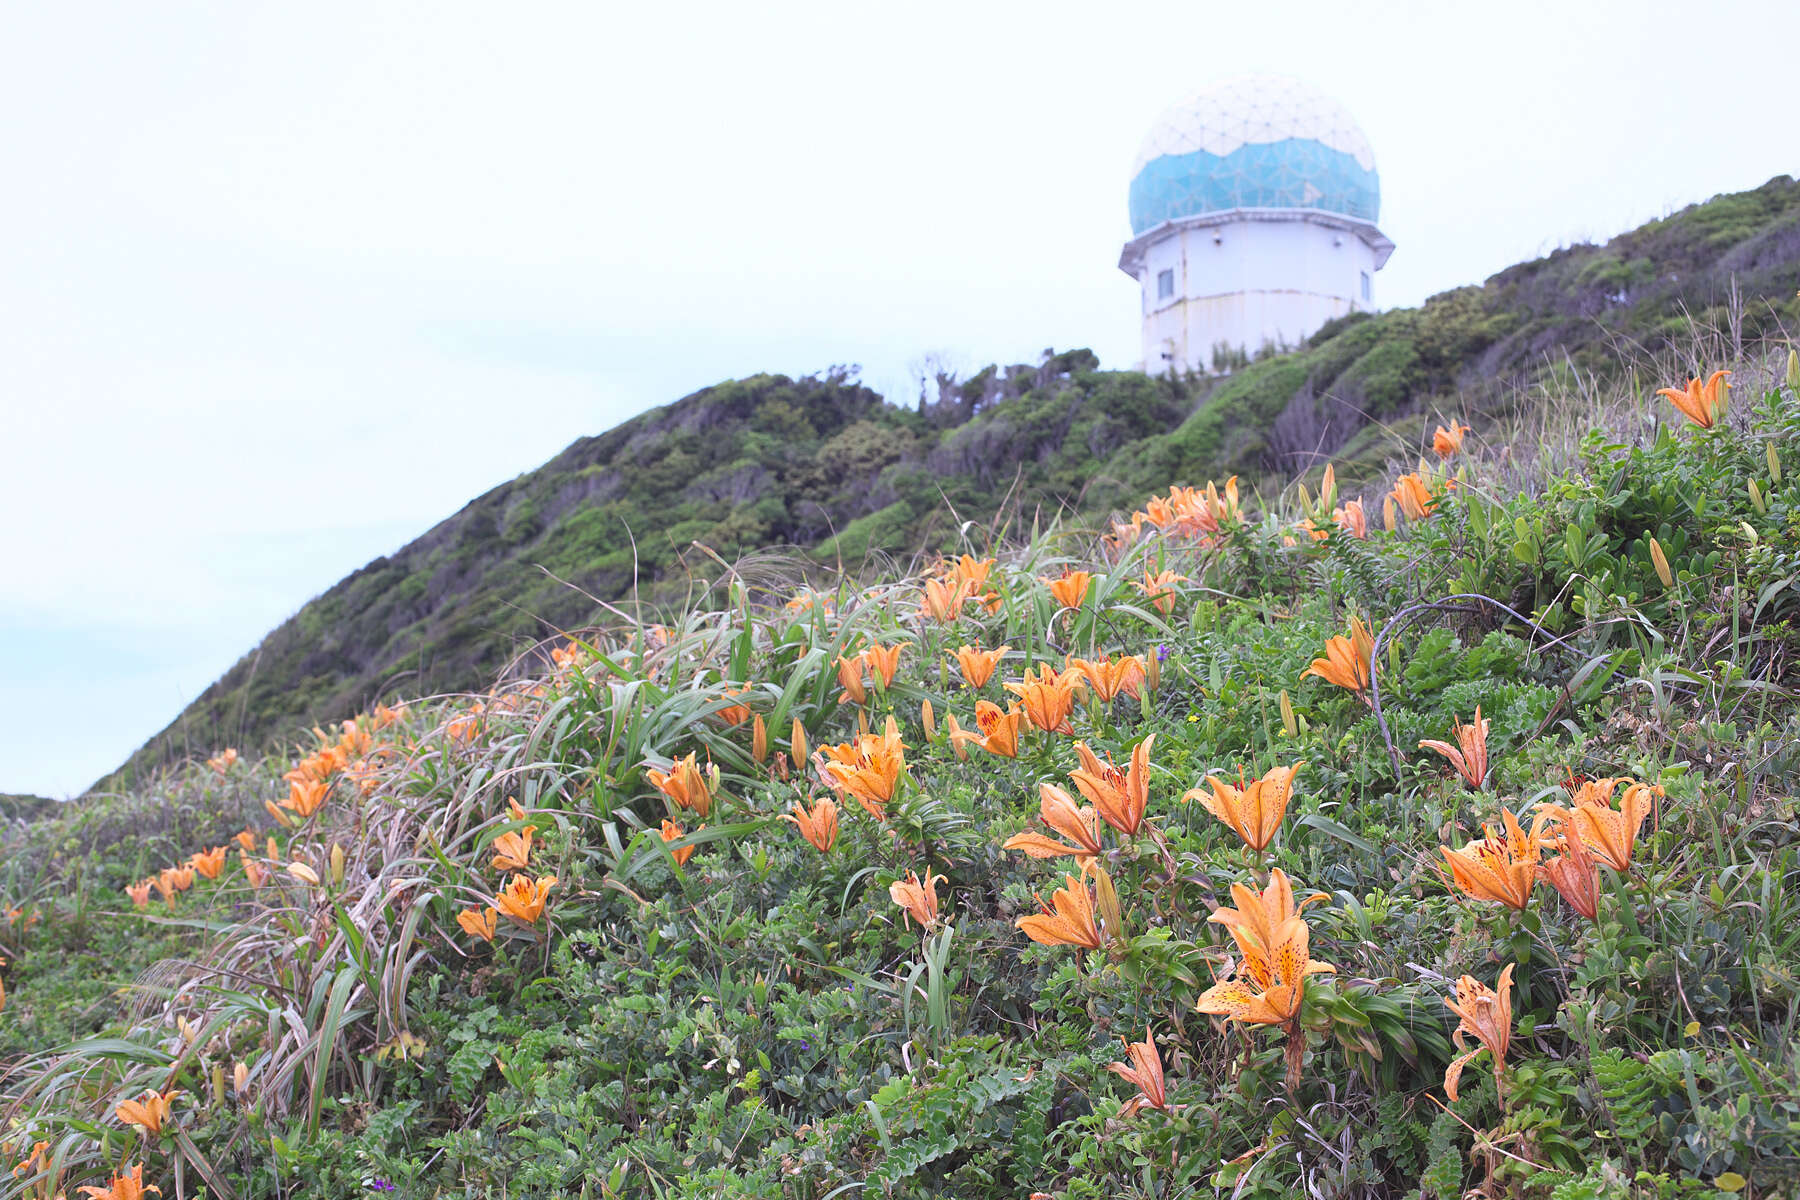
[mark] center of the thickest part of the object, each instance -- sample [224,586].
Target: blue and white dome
[1257,141]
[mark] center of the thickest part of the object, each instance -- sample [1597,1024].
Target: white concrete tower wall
[1253,209]
[1245,282]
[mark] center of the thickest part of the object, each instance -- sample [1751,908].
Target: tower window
[1165,284]
[1365,287]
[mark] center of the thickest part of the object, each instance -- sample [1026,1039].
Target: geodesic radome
[1257,141]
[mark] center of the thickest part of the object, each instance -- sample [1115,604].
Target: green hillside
[829,466]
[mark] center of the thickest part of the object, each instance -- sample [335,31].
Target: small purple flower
[1162,653]
[379,1184]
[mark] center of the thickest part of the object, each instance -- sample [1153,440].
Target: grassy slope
[761,1022]
[828,466]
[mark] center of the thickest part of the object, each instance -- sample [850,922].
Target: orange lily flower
[523,898]
[385,716]
[885,660]
[512,850]
[1703,404]
[147,1112]
[1573,872]
[1124,534]
[850,678]
[247,840]
[1352,519]
[972,571]
[139,893]
[1069,923]
[515,809]
[1346,662]
[221,762]
[1254,812]
[364,774]
[1215,510]
[1259,915]
[808,600]
[868,769]
[181,877]
[1500,867]
[1058,810]
[1446,442]
[1120,797]
[734,714]
[1469,756]
[1414,496]
[1612,833]
[209,862]
[254,872]
[305,799]
[1145,1071]
[124,1187]
[759,741]
[1048,698]
[1159,589]
[943,599]
[479,922]
[918,899]
[1070,588]
[687,785]
[354,741]
[978,665]
[999,729]
[671,831]
[820,826]
[462,729]
[1273,941]
[1485,1013]
[1110,678]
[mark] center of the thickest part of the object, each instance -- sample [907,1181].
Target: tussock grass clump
[1436,838]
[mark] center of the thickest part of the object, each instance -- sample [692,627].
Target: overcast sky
[281,285]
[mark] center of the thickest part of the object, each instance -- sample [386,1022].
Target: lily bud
[929,720]
[1756,499]
[1107,900]
[1774,457]
[759,741]
[1153,670]
[797,742]
[1288,721]
[958,744]
[862,722]
[337,864]
[1793,371]
[1390,515]
[1661,561]
[281,815]
[218,1082]
[303,873]
[1306,502]
[240,1079]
